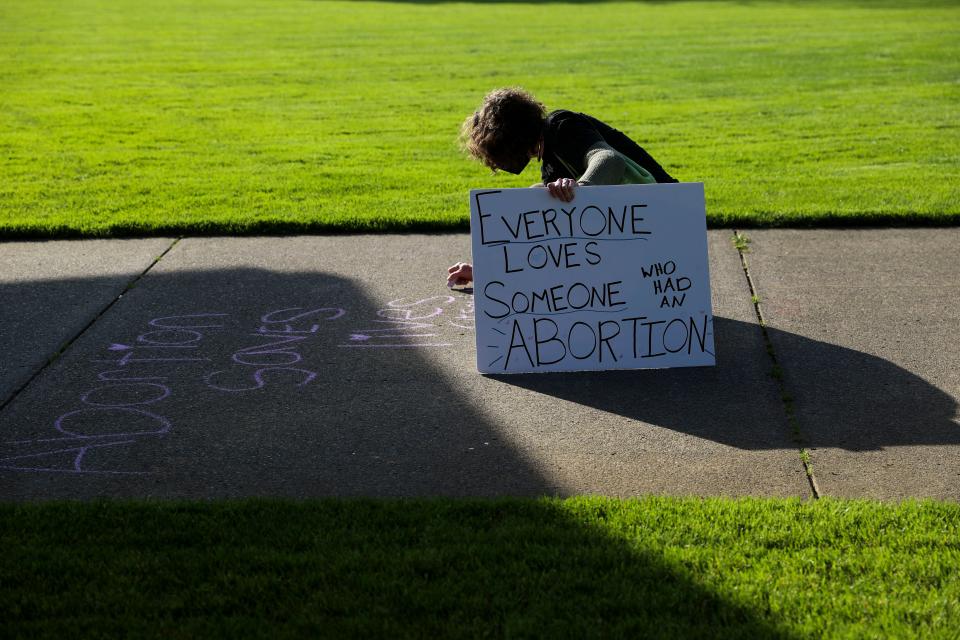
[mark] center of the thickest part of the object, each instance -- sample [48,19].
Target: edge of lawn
[267,226]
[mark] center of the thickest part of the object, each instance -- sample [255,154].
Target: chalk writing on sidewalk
[137,378]
[413,324]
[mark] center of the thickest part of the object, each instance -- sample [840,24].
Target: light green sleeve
[606,165]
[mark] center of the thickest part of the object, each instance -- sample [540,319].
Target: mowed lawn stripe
[239,116]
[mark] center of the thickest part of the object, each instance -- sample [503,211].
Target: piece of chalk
[450,284]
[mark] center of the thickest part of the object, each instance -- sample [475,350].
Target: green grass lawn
[214,116]
[577,568]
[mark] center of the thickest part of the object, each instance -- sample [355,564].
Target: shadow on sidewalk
[249,382]
[858,401]
[243,382]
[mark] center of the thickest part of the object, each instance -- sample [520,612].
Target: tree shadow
[176,392]
[854,400]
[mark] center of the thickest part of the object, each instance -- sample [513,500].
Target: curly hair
[505,129]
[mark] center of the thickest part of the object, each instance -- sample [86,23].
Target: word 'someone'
[616,279]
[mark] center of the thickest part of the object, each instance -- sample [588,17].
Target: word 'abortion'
[537,342]
[590,221]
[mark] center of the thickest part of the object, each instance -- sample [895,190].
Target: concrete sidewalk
[161,388]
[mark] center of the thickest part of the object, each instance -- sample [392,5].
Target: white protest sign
[616,279]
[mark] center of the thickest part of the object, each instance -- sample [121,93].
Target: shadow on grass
[398,569]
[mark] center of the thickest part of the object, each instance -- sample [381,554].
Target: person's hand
[459,274]
[562,189]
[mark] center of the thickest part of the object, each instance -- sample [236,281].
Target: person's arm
[604,166]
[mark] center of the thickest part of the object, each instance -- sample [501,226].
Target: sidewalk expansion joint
[66,345]
[742,244]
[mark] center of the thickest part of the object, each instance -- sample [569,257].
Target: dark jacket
[568,135]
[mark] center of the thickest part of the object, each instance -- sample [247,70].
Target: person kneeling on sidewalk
[511,127]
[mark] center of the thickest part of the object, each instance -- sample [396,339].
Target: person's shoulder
[571,120]
[564,115]
[564,122]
